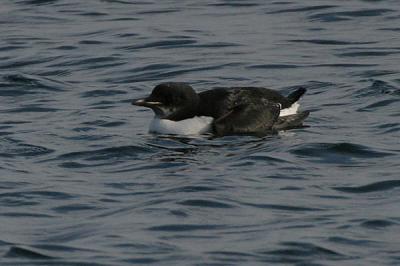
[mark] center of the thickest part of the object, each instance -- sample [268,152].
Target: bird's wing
[248,117]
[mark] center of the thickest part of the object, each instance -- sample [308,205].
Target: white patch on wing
[290,110]
[193,126]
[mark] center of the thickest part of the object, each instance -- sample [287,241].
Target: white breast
[193,126]
[290,110]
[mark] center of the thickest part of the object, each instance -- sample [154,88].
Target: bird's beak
[146,103]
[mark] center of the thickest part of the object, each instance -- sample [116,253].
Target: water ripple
[78,168]
[379,104]
[22,84]
[282,207]
[273,66]
[297,252]
[303,9]
[338,152]
[107,155]
[205,203]
[25,252]
[373,187]
[329,42]
[368,53]
[13,148]
[46,194]
[377,87]
[352,241]
[347,15]
[38,2]
[377,224]
[166,44]
[186,227]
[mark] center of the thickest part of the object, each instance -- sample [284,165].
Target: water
[83,183]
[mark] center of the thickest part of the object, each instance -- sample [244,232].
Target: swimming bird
[222,111]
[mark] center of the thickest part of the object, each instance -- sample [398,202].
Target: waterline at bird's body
[197,125]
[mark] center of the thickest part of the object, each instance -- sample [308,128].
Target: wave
[372,187]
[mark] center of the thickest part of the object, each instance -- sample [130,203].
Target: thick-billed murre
[222,111]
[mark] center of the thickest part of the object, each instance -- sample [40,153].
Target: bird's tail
[291,121]
[295,96]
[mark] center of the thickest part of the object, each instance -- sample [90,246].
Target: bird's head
[172,100]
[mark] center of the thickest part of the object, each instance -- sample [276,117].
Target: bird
[222,111]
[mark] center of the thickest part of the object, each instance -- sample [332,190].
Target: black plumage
[236,110]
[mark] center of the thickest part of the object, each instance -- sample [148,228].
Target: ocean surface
[82,182]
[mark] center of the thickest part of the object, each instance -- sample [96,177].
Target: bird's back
[219,101]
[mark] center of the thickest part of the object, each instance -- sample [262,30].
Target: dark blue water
[82,182]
